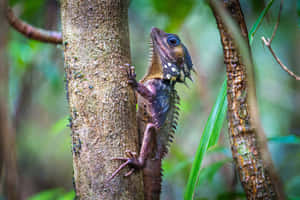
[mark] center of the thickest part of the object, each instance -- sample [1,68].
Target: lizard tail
[152,179]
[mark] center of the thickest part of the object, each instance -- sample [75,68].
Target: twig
[33,32]
[268,42]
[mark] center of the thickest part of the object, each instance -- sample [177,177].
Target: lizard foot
[130,70]
[131,160]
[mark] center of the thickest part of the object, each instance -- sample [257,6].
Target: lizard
[158,110]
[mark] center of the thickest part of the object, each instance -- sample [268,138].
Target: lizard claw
[130,70]
[129,173]
[130,160]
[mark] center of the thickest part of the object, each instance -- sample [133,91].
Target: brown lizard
[157,107]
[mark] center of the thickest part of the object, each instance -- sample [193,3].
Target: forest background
[38,104]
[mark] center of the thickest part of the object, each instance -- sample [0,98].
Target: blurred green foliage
[289,139]
[44,147]
[298,12]
[176,11]
[57,194]
[207,173]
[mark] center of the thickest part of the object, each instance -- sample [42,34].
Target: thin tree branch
[31,31]
[268,42]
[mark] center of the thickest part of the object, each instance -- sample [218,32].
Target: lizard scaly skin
[157,107]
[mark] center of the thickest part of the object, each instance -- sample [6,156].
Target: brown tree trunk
[249,148]
[8,165]
[102,105]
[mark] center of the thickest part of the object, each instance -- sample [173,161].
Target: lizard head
[170,59]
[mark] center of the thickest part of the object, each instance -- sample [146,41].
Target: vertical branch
[8,154]
[23,99]
[249,148]
[102,105]
[8,163]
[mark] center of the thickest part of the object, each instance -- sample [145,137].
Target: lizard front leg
[132,160]
[138,87]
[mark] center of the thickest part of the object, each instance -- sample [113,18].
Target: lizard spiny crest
[168,130]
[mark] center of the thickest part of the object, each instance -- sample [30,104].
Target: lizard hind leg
[132,160]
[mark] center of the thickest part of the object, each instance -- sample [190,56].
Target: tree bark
[102,105]
[248,144]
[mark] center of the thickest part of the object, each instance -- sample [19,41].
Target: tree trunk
[249,148]
[102,105]
[8,163]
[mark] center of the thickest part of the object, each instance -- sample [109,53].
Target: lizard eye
[173,40]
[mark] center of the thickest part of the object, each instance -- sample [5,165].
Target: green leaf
[47,194]
[259,21]
[221,113]
[289,139]
[68,196]
[53,194]
[209,138]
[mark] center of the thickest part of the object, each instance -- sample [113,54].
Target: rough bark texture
[102,105]
[255,175]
